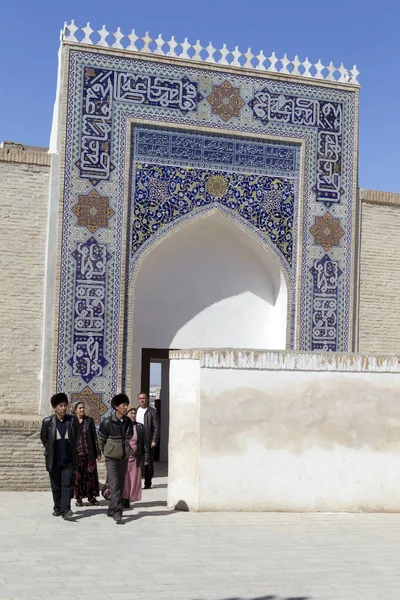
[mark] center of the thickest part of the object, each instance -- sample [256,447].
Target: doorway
[155,383]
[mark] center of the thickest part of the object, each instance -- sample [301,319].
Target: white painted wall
[184,434]
[164,408]
[288,440]
[209,285]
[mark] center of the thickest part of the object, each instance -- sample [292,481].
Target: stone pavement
[159,554]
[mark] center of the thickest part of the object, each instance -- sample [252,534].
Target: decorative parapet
[207,54]
[275,360]
[376,197]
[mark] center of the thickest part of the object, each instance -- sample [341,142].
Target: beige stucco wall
[24,178]
[379,307]
[284,431]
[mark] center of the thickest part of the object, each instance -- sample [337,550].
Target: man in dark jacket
[114,436]
[58,440]
[148,416]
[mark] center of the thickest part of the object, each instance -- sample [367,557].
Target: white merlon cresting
[208,54]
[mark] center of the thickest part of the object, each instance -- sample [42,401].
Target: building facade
[193,199]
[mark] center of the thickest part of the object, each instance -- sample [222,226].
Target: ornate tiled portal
[152,142]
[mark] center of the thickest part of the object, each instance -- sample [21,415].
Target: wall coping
[13,152]
[276,360]
[377,197]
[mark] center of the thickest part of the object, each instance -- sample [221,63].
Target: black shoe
[94,501]
[110,515]
[126,503]
[117,517]
[79,502]
[56,513]
[67,515]
[147,486]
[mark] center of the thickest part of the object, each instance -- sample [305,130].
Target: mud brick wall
[24,181]
[21,456]
[22,466]
[379,308]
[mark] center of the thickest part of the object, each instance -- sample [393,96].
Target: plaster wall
[209,285]
[282,439]
[24,180]
[184,434]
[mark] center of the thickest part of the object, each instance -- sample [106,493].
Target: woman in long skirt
[86,481]
[139,454]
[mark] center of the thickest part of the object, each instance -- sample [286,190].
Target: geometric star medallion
[327,231]
[216,186]
[225,101]
[93,211]
[94,405]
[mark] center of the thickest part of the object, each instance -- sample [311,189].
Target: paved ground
[159,554]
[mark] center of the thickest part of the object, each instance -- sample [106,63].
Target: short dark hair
[58,399]
[119,399]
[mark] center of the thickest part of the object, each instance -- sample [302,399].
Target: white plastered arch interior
[209,284]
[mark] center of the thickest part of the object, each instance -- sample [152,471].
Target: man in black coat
[58,440]
[148,416]
[114,435]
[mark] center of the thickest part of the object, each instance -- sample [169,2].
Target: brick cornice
[29,155]
[376,197]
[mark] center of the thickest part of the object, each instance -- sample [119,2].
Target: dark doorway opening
[157,394]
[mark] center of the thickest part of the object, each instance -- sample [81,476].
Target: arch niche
[207,283]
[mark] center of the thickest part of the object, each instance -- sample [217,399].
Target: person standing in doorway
[57,438]
[114,437]
[148,416]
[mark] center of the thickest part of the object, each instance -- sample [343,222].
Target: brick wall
[22,466]
[379,307]
[21,456]
[24,179]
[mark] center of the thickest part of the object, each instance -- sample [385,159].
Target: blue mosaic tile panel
[327,117]
[97,102]
[165,193]
[151,90]
[87,360]
[216,150]
[326,273]
[109,92]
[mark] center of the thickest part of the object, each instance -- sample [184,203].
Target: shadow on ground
[150,504]
[135,516]
[269,597]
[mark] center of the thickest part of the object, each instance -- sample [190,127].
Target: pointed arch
[212,209]
[276,269]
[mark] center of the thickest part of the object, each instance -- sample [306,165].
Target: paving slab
[158,553]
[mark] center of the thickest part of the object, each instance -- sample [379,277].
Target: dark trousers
[61,479]
[116,471]
[149,468]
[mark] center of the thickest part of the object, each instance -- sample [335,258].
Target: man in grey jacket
[148,416]
[114,437]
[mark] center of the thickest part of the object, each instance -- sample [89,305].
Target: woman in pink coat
[139,454]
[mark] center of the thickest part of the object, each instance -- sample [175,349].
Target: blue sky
[342,31]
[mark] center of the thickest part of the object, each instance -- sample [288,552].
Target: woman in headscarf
[86,481]
[139,454]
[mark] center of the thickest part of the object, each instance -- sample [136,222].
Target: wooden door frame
[148,354]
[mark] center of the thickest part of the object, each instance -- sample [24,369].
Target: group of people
[126,439]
